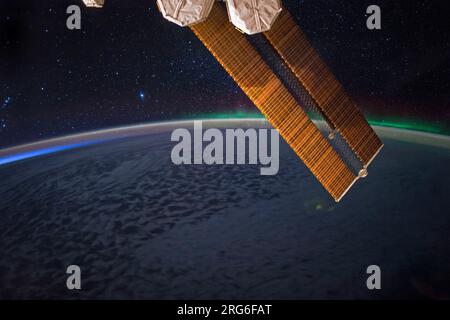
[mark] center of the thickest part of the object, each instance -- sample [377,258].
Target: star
[142,95]
[6,102]
[3,123]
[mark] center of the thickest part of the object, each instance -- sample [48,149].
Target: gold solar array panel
[234,52]
[335,105]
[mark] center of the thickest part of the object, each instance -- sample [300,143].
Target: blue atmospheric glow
[49,150]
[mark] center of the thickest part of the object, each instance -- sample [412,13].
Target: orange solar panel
[240,59]
[335,105]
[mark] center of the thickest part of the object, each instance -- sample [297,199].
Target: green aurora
[392,122]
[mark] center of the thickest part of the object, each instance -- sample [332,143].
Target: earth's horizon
[139,227]
[78,140]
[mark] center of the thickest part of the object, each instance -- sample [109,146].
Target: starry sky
[128,65]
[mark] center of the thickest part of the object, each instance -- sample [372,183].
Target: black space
[127,65]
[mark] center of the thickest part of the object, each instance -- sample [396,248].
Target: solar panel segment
[336,106]
[235,53]
[283,84]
